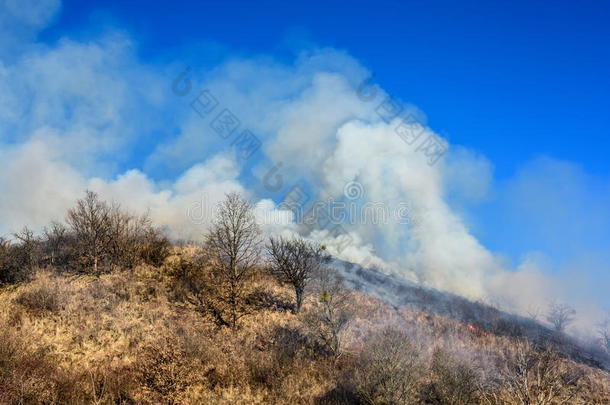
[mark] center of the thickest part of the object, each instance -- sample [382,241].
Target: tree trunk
[299,295]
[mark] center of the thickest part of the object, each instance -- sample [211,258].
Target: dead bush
[195,282]
[330,312]
[388,370]
[532,377]
[10,272]
[291,343]
[154,247]
[106,384]
[41,295]
[453,381]
[18,258]
[32,376]
[262,299]
[164,371]
[283,350]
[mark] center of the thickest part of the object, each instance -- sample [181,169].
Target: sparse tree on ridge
[90,222]
[533,311]
[105,235]
[560,316]
[234,246]
[54,237]
[27,249]
[126,236]
[294,261]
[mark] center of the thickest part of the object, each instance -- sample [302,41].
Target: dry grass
[122,338]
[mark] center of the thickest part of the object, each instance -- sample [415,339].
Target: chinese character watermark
[225,124]
[409,129]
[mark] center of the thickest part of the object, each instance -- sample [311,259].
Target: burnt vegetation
[101,308]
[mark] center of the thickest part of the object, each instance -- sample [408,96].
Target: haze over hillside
[172,138]
[220,164]
[241,318]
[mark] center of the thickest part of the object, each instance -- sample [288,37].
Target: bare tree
[19,257]
[534,312]
[560,316]
[127,236]
[90,222]
[5,262]
[28,249]
[10,271]
[293,261]
[104,234]
[55,237]
[331,312]
[234,246]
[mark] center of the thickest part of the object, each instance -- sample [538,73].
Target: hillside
[127,337]
[401,293]
[304,203]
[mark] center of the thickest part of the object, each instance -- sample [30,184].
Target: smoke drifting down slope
[318,120]
[477,316]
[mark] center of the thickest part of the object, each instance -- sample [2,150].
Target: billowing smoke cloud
[21,20]
[76,115]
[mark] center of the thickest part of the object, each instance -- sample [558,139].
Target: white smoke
[77,115]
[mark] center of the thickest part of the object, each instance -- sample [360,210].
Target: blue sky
[513,80]
[519,90]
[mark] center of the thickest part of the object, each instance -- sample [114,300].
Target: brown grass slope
[125,338]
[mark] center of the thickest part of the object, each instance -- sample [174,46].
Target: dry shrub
[194,282]
[507,327]
[262,299]
[30,376]
[105,383]
[538,378]
[120,339]
[284,352]
[41,295]
[330,312]
[453,381]
[230,396]
[180,361]
[154,248]
[290,344]
[388,370]
[18,259]
[163,371]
